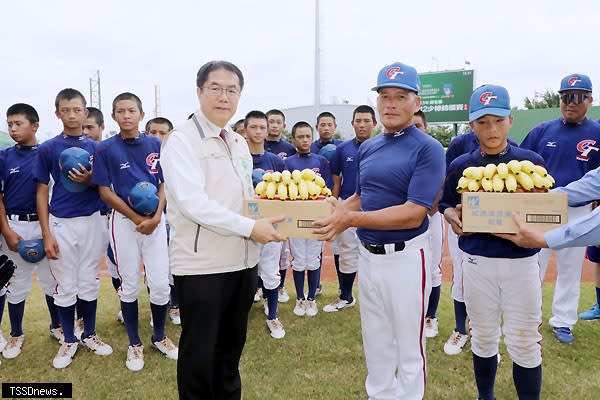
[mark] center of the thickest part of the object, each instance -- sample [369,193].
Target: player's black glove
[7,269]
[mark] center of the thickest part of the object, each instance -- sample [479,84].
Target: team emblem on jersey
[14,170]
[152,162]
[574,80]
[392,72]
[282,155]
[551,144]
[585,147]
[349,159]
[486,97]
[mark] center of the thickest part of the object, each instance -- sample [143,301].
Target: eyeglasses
[575,98]
[216,91]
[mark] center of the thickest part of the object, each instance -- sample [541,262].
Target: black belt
[380,248]
[23,217]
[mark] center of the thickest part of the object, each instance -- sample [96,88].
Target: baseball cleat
[431,327]
[276,328]
[311,308]
[78,328]
[258,295]
[319,290]
[96,344]
[174,316]
[65,355]
[57,333]
[13,346]
[266,306]
[563,335]
[284,297]
[167,347]
[455,343]
[2,342]
[135,357]
[338,305]
[119,317]
[300,309]
[591,314]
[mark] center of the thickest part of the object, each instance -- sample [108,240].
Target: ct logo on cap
[393,71]
[574,80]
[486,97]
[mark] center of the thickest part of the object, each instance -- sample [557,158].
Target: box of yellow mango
[491,194]
[297,195]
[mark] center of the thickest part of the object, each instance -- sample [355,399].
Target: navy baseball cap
[489,100]
[400,76]
[69,159]
[576,82]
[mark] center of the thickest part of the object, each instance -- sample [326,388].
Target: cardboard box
[492,212]
[299,214]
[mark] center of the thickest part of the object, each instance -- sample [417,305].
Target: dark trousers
[214,319]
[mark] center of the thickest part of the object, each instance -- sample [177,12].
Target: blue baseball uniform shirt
[65,204]
[484,244]
[280,148]
[569,150]
[344,164]
[121,163]
[16,173]
[317,145]
[394,168]
[268,162]
[463,144]
[317,163]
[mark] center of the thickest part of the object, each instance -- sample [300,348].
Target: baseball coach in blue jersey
[399,176]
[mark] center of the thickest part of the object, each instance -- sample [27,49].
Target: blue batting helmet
[31,250]
[69,159]
[328,151]
[143,198]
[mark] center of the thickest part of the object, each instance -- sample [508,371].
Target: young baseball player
[71,227]
[326,127]
[398,179]
[500,280]
[569,146]
[255,126]
[276,145]
[306,253]
[18,222]
[160,127]
[436,230]
[122,161]
[93,125]
[238,127]
[343,172]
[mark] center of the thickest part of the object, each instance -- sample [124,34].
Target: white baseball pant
[268,265]
[112,268]
[569,262]
[79,241]
[130,248]
[510,289]
[436,231]
[284,258]
[19,286]
[456,254]
[393,293]
[348,244]
[306,254]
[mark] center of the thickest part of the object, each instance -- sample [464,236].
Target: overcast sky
[526,46]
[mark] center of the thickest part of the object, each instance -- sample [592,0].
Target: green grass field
[320,357]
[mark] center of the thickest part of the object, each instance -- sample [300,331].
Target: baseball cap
[69,159]
[489,100]
[143,198]
[398,75]
[576,82]
[31,250]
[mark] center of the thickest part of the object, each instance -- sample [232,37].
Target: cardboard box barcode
[492,212]
[299,215]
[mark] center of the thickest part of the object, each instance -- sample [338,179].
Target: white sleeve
[185,182]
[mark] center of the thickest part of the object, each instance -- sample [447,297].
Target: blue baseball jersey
[394,168]
[465,143]
[317,145]
[569,150]
[485,244]
[344,164]
[121,163]
[65,204]
[317,163]
[280,148]
[269,162]
[16,174]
